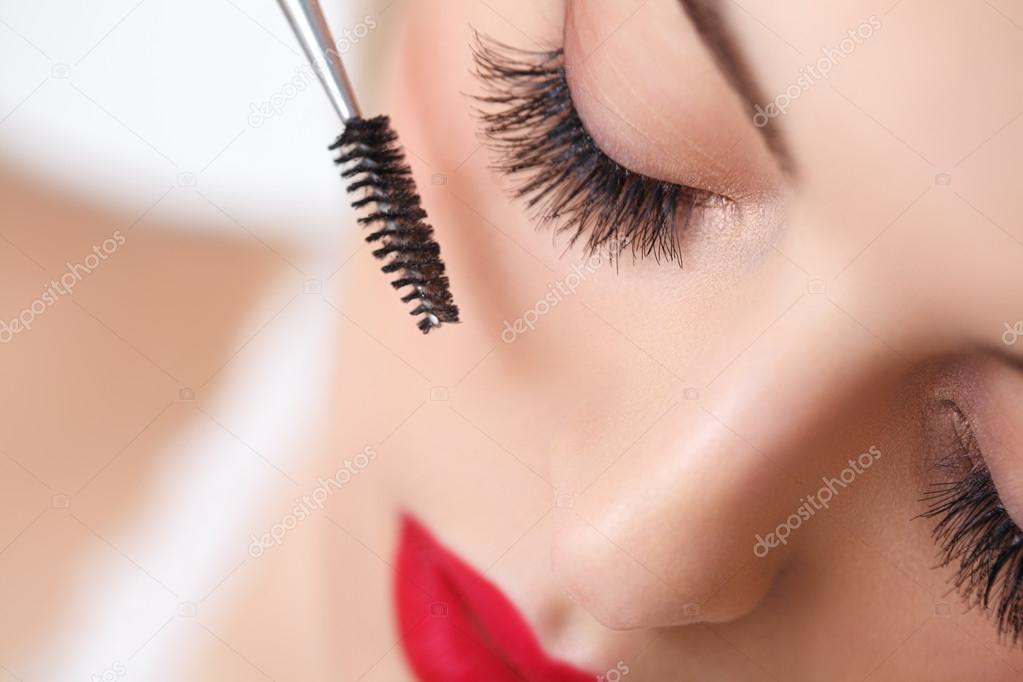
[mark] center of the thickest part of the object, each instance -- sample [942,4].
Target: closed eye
[566,179]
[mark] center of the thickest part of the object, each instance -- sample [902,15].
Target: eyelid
[996,411]
[653,99]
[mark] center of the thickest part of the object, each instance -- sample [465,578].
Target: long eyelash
[570,184]
[977,533]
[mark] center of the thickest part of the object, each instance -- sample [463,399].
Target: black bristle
[369,152]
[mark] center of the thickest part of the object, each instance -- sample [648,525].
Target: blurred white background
[124,98]
[145,109]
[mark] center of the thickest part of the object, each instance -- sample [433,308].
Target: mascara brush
[373,162]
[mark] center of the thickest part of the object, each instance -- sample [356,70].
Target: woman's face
[715,469]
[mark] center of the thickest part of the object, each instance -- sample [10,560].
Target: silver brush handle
[306,19]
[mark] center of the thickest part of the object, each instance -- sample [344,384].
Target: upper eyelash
[533,127]
[975,531]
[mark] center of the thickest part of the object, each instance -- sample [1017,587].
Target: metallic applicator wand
[371,158]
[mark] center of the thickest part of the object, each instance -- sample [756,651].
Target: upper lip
[456,626]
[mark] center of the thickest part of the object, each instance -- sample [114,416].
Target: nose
[703,497]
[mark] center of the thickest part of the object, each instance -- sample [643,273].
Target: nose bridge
[674,521]
[801,374]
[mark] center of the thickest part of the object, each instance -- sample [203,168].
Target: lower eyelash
[535,130]
[976,532]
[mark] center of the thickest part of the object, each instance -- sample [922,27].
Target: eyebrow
[707,17]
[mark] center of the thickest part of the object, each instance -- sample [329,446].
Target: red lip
[456,626]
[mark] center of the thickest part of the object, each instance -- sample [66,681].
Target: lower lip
[456,626]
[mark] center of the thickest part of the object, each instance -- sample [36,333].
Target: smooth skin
[607,443]
[611,467]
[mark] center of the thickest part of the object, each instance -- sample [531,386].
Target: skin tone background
[610,468]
